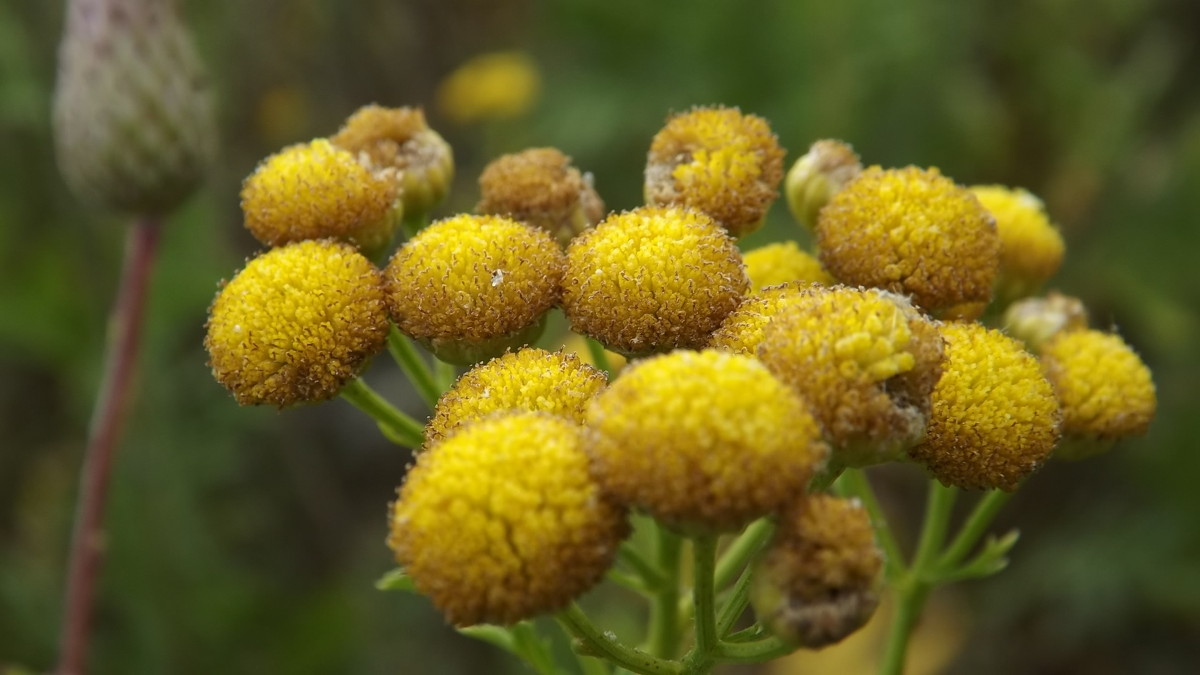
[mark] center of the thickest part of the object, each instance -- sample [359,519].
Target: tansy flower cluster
[754,380]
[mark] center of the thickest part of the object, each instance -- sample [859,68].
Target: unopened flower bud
[1035,320]
[539,187]
[826,168]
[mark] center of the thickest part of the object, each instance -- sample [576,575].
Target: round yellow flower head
[994,418]
[397,144]
[704,440]
[865,360]
[1035,320]
[652,279]
[469,287]
[317,191]
[1031,249]
[719,161]
[296,323]
[530,379]
[742,331]
[1105,389]
[826,168]
[912,231]
[780,263]
[502,521]
[499,85]
[819,580]
[540,187]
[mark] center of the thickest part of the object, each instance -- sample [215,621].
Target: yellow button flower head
[719,161]
[530,379]
[1035,320]
[915,232]
[865,360]
[1105,389]
[780,263]
[297,323]
[819,580]
[316,191]
[540,187]
[397,144]
[469,287]
[499,85]
[742,331]
[704,440]
[994,418]
[652,279]
[820,173]
[1031,249]
[502,521]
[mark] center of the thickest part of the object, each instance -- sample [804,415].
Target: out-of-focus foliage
[248,541]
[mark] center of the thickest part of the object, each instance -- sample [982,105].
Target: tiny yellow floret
[703,440]
[719,161]
[1031,249]
[742,331]
[530,379]
[1105,389]
[780,263]
[502,521]
[469,287]
[912,231]
[316,191]
[296,324]
[652,279]
[994,418]
[539,186]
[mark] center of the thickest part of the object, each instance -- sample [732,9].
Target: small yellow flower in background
[499,85]
[1031,249]
[1035,320]
[397,144]
[994,418]
[652,279]
[539,187]
[502,521]
[780,263]
[742,331]
[719,161]
[912,231]
[1105,389]
[826,168]
[819,580]
[531,379]
[865,360]
[704,440]
[470,287]
[296,324]
[315,191]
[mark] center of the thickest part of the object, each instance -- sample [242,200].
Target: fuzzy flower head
[296,324]
[819,580]
[540,187]
[652,279]
[865,360]
[1105,389]
[503,521]
[497,85]
[994,418]
[1035,321]
[396,144]
[912,231]
[470,287]
[1031,249]
[530,379]
[316,191]
[819,174]
[704,440]
[780,263]
[742,331]
[719,161]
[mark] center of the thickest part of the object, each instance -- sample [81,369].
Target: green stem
[664,612]
[739,553]
[734,605]
[977,523]
[444,374]
[599,356]
[651,576]
[939,504]
[754,652]
[530,647]
[415,367]
[365,399]
[825,478]
[855,483]
[633,660]
[704,554]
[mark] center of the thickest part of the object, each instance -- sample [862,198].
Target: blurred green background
[248,540]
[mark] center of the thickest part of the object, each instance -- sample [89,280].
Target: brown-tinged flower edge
[539,186]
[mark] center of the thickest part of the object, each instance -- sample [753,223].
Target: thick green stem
[365,399]
[415,367]
[704,554]
[635,661]
[977,523]
[664,613]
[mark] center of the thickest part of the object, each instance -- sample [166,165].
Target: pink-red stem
[87,539]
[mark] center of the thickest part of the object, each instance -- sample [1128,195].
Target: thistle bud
[133,113]
[817,176]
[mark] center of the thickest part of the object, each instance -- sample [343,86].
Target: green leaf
[395,580]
